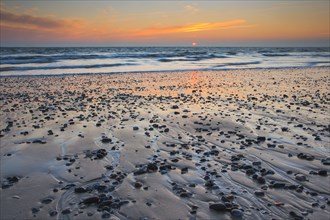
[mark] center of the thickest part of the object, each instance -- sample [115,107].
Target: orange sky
[171,23]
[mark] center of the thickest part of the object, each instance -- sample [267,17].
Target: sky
[164,23]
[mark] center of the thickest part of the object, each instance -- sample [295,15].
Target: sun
[194,44]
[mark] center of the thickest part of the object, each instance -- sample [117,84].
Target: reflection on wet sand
[250,144]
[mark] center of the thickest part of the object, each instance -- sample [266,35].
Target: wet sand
[251,144]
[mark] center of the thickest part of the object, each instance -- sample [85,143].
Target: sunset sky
[165,23]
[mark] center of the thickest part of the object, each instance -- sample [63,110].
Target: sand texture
[250,144]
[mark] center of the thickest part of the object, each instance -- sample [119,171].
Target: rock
[219,207]
[80,190]
[256,163]
[185,194]
[278,185]
[236,213]
[52,213]
[323,173]
[35,210]
[184,170]
[152,167]
[259,193]
[66,211]
[175,107]
[10,181]
[135,128]
[91,200]
[261,138]
[300,177]
[305,156]
[140,171]
[138,185]
[326,161]
[46,200]
[261,180]
[38,141]
[106,140]
[295,215]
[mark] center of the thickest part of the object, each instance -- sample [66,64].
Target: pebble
[66,211]
[295,215]
[35,210]
[323,173]
[236,213]
[261,138]
[326,161]
[91,200]
[259,193]
[152,167]
[46,200]
[53,213]
[80,190]
[138,185]
[300,177]
[135,128]
[220,207]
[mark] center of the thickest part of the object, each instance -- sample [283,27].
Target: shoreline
[236,144]
[162,71]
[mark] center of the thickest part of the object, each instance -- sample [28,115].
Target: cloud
[197,27]
[42,22]
[191,8]
[28,27]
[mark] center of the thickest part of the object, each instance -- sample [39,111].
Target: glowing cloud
[234,24]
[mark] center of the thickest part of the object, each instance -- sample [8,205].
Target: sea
[95,60]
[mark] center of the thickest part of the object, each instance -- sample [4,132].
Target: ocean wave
[275,54]
[92,66]
[237,64]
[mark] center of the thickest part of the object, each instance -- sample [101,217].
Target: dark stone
[256,163]
[185,194]
[259,193]
[261,138]
[236,213]
[278,185]
[326,161]
[91,200]
[295,215]
[80,190]
[152,167]
[323,173]
[46,200]
[261,180]
[35,210]
[138,185]
[66,211]
[140,171]
[219,207]
[38,141]
[135,128]
[106,140]
[52,213]
[184,170]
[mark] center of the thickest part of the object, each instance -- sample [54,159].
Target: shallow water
[54,61]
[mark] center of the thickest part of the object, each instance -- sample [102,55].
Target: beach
[222,144]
